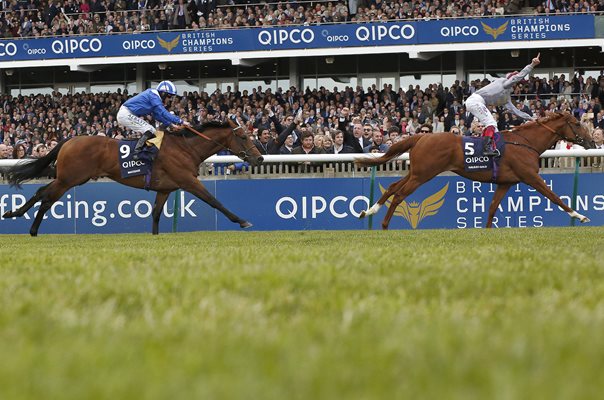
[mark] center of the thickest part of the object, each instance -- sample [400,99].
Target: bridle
[244,155]
[577,139]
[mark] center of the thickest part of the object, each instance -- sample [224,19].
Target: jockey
[151,101]
[497,93]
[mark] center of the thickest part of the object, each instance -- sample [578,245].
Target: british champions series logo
[415,212]
[494,31]
[168,45]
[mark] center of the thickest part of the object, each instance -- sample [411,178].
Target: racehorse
[431,154]
[82,158]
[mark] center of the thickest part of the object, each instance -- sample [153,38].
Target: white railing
[275,159]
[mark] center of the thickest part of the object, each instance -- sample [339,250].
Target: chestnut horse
[82,158]
[431,154]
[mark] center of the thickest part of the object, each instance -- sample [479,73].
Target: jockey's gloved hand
[186,123]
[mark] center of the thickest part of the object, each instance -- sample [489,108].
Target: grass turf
[456,314]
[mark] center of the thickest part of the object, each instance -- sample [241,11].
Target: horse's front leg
[160,200]
[197,189]
[500,192]
[537,182]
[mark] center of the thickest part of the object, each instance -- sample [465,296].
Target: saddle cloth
[143,166]
[473,148]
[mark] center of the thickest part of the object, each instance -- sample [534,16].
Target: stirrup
[491,152]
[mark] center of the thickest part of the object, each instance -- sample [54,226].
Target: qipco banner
[305,204]
[301,37]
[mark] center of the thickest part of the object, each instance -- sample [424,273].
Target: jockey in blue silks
[149,102]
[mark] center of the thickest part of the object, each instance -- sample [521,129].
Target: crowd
[34,18]
[319,120]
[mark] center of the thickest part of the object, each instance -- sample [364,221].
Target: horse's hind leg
[53,192]
[537,182]
[197,189]
[19,212]
[500,192]
[160,200]
[402,194]
[393,188]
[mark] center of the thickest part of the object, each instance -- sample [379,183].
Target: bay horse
[82,158]
[433,153]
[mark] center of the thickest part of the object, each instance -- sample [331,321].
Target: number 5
[469,149]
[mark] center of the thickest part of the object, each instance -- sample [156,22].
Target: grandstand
[391,73]
[65,70]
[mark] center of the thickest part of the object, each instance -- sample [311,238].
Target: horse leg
[197,189]
[536,182]
[19,212]
[500,192]
[402,194]
[53,192]
[160,200]
[393,188]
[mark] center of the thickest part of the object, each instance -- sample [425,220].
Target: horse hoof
[33,234]
[362,214]
[584,220]
[8,214]
[245,225]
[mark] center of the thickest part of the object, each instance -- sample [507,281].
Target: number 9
[125,150]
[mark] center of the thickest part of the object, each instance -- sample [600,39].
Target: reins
[243,154]
[514,131]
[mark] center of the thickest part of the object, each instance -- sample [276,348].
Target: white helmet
[167,87]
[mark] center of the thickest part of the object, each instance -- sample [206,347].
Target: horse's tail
[26,169]
[394,151]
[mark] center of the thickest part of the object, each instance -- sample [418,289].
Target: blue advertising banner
[508,29]
[302,37]
[447,202]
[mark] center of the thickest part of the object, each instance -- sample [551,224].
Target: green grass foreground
[455,314]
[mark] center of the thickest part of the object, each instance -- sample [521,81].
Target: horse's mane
[203,127]
[531,124]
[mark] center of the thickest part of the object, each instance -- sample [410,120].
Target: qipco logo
[70,46]
[334,38]
[380,32]
[452,31]
[281,36]
[34,52]
[138,44]
[7,49]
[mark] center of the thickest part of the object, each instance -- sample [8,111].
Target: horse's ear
[232,123]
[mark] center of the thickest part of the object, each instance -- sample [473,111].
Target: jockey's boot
[489,149]
[140,144]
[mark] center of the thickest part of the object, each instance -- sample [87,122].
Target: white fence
[351,157]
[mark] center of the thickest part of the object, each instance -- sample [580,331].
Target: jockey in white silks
[497,93]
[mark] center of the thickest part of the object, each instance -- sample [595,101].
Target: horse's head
[241,145]
[566,127]
[573,131]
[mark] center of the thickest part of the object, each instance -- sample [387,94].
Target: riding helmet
[167,87]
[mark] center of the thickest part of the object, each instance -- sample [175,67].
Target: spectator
[377,142]
[339,147]
[19,151]
[308,145]
[425,128]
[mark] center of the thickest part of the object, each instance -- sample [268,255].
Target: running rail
[351,157]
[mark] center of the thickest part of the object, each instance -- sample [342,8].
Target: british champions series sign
[302,37]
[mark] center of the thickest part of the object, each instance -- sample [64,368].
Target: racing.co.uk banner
[448,202]
[419,32]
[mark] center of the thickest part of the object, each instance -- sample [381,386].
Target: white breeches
[128,120]
[476,105]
